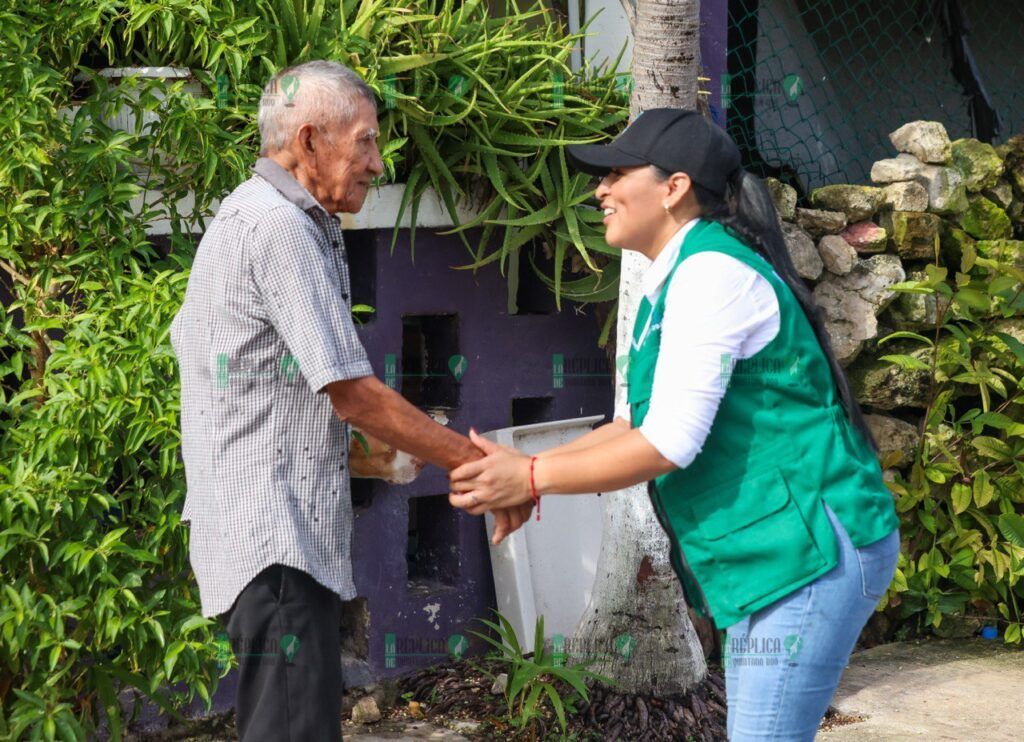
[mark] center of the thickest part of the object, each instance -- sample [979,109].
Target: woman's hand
[499,480]
[508,520]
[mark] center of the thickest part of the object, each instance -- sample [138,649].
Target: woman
[760,465]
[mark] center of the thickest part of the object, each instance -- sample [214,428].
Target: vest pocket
[756,536]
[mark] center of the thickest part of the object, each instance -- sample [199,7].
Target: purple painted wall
[507,356]
[714,45]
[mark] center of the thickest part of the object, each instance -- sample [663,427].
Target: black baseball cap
[671,138]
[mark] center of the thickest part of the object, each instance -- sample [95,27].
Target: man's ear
[305,137]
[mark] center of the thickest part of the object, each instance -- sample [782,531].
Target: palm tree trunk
[637,605]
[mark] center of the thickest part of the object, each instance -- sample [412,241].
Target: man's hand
[383,413]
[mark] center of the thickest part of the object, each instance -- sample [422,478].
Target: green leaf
[936,273]
[961,497]
[1016,346]
[406,62]
[171,656]
[538,640]
[522,679]
[973,299]
[556,701]
[531,700]
[572,676]
[509,635]
[911,287]
[194,622]
[984,521]
[500,646]
[1013,634]
[906,334]
[105,689]
[543,216]
[111,537]
[983,489]
[1000,284]
[908,362]
[994,419]
[1011,525]
[992,448]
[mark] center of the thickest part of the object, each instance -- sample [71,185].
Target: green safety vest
[745,519]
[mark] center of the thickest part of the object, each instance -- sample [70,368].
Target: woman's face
[631,198]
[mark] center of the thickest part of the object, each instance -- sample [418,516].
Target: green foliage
[98,596]
[533,678]
[488,103]
[961,503]
[97,588]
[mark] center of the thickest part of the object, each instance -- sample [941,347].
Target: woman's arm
[502,479]
[613,464]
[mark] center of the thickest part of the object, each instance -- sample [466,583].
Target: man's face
[342,165]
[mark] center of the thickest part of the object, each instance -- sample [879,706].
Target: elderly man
[272,373]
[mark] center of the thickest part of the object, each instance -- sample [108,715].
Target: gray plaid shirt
[265,325]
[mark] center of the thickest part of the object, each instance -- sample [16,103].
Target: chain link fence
[815,86]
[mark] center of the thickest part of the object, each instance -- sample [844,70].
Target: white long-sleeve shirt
[716,305]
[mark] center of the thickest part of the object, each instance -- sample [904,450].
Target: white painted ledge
[380,211]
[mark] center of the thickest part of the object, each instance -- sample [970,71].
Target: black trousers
[284,629]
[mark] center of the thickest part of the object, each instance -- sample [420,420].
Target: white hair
[318,93]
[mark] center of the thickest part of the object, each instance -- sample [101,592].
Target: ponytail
[748,212]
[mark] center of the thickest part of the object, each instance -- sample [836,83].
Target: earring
[665,207]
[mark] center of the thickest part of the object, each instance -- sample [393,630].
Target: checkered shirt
[265,325]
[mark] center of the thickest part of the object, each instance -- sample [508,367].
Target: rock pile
[935,202]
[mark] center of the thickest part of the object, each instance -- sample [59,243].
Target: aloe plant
[488,103]
[531,674]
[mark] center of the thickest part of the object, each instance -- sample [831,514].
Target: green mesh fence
[815,86]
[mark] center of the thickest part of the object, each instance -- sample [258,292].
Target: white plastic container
[547,567]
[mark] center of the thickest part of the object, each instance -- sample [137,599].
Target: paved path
[949,689]
[398,730]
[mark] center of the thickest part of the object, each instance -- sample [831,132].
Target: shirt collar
[657,272]
[283,181]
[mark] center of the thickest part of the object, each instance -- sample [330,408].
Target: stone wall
[930,203]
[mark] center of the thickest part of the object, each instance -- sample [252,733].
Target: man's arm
[385,414]
[382,412]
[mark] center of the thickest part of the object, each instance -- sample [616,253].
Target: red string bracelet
[533,487]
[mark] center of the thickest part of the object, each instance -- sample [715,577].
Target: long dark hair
[747,210]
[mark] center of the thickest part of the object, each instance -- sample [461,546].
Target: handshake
[490,478]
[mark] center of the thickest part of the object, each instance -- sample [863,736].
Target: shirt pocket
[757,536]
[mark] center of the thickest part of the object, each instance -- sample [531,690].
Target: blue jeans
[783,663]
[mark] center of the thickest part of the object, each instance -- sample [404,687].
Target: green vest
[745,519]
